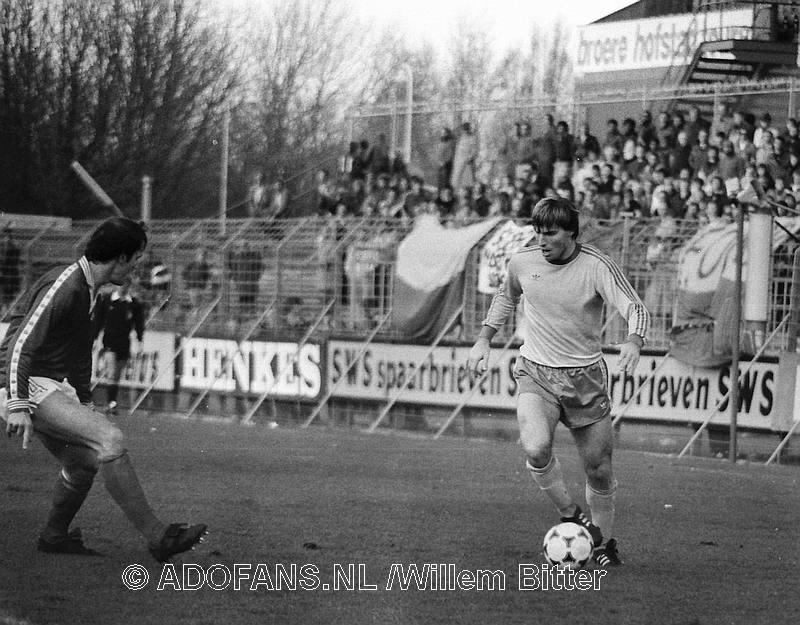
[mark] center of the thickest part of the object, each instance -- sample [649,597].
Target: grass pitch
[704,542]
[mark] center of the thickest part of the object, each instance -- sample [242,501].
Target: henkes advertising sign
[251,367]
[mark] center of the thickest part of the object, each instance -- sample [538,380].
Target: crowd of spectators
[680,168]
[369,183]
[678,165]
[683,166]
[267,201]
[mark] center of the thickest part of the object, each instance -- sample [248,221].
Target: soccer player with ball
[560,372]
[45,372]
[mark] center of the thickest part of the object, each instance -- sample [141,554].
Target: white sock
[551,480]
[602,504]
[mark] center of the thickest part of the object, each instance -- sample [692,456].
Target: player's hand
[628,356]
[19,424]
[478,360]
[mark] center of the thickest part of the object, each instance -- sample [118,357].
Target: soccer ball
[568,545]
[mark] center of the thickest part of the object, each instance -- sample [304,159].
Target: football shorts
[580,392]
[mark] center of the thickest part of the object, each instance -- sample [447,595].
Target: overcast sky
[509,21]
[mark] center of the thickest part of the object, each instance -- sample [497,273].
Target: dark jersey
[116,316]
[50,334]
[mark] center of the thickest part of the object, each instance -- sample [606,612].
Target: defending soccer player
[560,372]
[45,372]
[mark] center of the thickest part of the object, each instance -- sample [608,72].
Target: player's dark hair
[555,212]
[113,237]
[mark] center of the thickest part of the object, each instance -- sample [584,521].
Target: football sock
[551,480]
[68,497]
[113,391]
[123,485]
[602,504]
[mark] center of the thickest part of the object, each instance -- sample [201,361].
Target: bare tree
[470,67]
[298,78]
[557,66]
[127,87]
[133,87]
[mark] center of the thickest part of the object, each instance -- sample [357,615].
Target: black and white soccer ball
[568,545]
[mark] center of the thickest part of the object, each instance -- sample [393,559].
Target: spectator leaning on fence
[445,153]
[197,279]
[464,159]
[246,266]
[258,197]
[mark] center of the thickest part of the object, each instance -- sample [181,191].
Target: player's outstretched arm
[504,303]
[19,423]
[478,360]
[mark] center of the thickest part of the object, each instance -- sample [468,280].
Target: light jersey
[563,304]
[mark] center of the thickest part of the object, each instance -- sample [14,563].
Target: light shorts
[75,433]
[38,389]
[580,392]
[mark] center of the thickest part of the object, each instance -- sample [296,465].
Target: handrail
[428,352]
[178,352]
[457,410]
[335,387]
[595,97]
[316,166]
[28,246]
[784,442]
[742,373]
[250,330]
[301,343]
[642,386]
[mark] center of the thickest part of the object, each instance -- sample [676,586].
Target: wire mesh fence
[284,274]
[276,280]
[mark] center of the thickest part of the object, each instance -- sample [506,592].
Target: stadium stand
[645,185]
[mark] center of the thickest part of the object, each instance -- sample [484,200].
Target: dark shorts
[122,350]
[581,393]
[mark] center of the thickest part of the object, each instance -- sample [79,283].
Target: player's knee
[599,474]
[111,444]
[80,478]
[538,454]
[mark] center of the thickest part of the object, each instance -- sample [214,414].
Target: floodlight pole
[737,325]
[409,78]
[147,198]
[223,170]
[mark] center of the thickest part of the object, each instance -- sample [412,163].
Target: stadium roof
[648,8]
